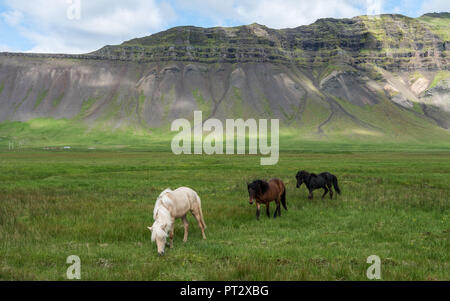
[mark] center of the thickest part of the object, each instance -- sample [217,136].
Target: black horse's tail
[335,184]
[283,199]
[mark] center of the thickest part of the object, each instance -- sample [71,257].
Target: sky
[82,26]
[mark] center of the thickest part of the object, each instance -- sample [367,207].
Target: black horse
[313,181]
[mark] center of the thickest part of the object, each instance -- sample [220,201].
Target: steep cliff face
[360,77]
[392,41]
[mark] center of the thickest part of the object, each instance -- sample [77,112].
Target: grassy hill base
[37,134]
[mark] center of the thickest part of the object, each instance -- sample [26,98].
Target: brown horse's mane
[259,186]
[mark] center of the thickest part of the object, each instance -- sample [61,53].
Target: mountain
[382,78]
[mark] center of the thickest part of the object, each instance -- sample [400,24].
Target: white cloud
[435,6]
[279,14]
[5,48]
[48,23]
[294,13]
[12,18]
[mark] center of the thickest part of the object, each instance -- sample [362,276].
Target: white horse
[172,204]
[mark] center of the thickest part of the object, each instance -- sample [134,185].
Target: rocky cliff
[360,77]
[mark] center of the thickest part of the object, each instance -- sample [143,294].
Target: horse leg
[310,196]
[258,210]
[331,191]
[200,224]
[326,191]
[276,209]
[186,228]
[268,209]
[277,201]
[171,235]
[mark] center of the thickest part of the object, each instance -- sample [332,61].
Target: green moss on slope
[202,104]
[57,100]
[438,23]
[87,105]
[41,96]
[441,75]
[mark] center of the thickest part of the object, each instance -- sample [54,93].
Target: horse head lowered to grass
[263,192]
[172,204]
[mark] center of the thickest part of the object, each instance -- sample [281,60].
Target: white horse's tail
[201,212]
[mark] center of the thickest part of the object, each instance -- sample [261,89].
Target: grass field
[97,205]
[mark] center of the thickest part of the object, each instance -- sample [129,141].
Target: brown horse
[265,192]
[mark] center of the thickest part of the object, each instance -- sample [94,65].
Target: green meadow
[97,204]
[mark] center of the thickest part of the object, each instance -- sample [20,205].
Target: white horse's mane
[162,201]
[161,215]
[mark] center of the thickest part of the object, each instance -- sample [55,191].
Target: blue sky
[80,26]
